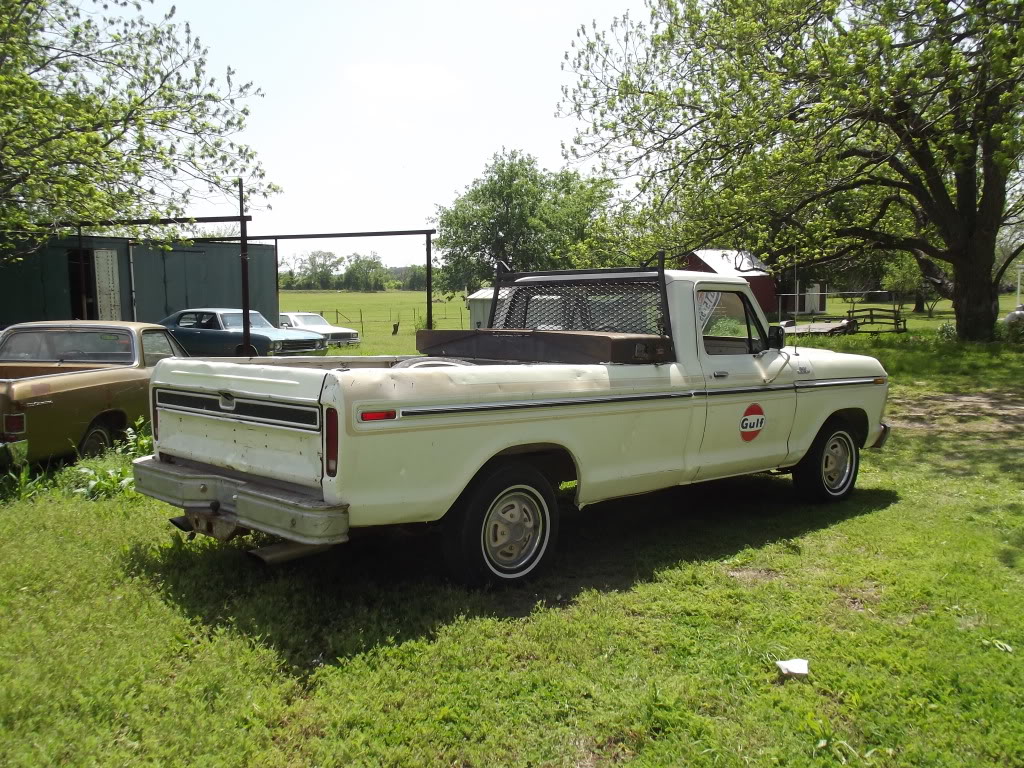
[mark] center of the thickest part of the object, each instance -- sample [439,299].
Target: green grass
[652,641]
[374,315]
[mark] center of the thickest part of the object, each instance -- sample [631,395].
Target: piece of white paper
[793,667]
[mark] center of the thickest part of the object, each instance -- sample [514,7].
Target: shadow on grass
[967,454]
[389,588]
[945,366]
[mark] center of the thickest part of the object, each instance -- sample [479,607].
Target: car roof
[83,324]
[215,309]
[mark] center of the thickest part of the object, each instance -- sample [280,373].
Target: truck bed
[543,346]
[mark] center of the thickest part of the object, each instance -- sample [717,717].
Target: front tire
[829,470]
[504,528]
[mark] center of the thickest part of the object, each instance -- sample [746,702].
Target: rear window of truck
[55,346]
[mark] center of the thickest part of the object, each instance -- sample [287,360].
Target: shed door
[108,285]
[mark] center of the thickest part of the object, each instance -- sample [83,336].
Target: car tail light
[14,423]
[377,415]
[331,440]
[156,417]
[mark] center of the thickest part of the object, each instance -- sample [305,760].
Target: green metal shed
[116,279]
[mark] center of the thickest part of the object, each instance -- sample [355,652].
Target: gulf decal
[752,422]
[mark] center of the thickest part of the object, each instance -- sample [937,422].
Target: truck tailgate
[247,418]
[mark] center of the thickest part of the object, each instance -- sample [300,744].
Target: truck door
[749,388]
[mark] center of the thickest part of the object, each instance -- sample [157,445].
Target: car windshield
[59,345]
[233,320]
[312,320]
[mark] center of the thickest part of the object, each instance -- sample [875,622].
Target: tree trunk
[919,303]
[975,300]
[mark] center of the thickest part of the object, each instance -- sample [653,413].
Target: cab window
[728,324]
[156,345]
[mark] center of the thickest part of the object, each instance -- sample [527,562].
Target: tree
[414,278]
[901,275]
[812,128]
[108,116]
[317,270]
[365,273]
[524,217]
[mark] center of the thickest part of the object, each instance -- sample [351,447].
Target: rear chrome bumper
[221,506]
[882,437]
[13,454]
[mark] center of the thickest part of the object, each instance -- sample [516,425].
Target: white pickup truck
[623,382]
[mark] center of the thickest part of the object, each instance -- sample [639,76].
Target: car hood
[281,334]
[332,329]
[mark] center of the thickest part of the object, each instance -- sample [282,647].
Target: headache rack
[568,316]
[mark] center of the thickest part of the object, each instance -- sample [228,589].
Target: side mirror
[776,337]
[286,325]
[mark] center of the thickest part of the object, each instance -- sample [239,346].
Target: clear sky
[377,112]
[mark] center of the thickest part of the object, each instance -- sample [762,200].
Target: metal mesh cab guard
[570,316]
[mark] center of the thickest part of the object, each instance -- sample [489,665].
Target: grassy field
[919,323]
[651,642]
[374,315]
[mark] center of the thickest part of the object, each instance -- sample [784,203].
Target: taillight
[377,415]
[14,423]
[331,442]
[156,418]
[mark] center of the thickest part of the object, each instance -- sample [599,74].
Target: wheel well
[553,461]
[115,421]
[857,421]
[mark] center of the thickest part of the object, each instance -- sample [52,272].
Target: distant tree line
[325,271]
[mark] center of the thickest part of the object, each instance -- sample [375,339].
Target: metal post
[244,258]
[430,289]
[81,276]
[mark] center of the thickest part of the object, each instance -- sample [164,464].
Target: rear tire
[504,528]
[96,442]
[828,472]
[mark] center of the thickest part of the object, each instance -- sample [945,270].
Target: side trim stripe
[835,383]
[484,407]
[521,405]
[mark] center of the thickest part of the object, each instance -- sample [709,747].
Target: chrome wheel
[838,462]
[514,528]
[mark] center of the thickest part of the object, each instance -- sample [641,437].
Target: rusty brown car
[73,386]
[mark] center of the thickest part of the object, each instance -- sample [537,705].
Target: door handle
[721,374]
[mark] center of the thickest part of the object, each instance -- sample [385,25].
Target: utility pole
[244,257]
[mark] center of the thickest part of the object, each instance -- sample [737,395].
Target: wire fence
[389,320]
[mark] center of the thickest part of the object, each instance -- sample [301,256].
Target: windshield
[312,320]
[57,345]
[233,320]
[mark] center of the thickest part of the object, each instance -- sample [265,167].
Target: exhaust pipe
[275,554]
[182,524]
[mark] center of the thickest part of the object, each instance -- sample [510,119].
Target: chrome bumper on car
[296,352]
[880,441]
[222,506]
[13,454]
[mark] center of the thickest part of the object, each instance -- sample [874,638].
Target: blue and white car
[217,332]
